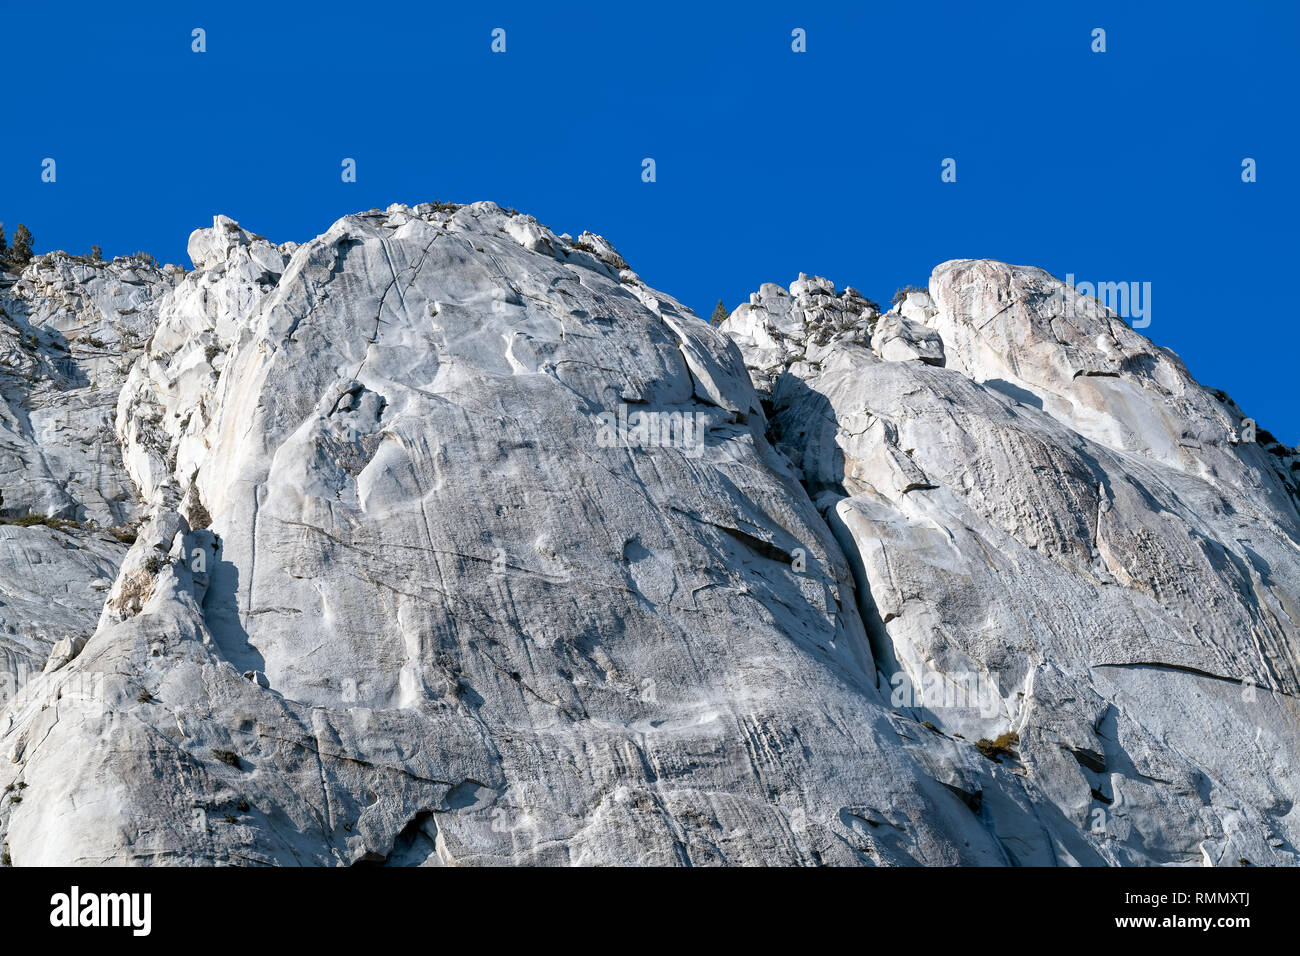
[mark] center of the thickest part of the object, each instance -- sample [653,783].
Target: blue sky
[1122,166]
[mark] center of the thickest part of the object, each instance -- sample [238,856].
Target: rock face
[1061,518]
[456,543]
[70,329]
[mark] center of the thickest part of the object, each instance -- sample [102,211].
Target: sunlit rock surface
[1061,514]
[455,543]
[70,329]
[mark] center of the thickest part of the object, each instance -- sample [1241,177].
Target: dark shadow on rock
[1014,392]
[799,416]
[221,614]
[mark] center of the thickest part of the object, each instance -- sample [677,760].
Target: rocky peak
[453,542]
[1026,333]
[776,328]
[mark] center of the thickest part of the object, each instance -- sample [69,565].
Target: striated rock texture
[70,329]
[455,543]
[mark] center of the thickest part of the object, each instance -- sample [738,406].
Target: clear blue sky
[1119,166]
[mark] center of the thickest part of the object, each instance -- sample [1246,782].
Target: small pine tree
[900,295]
[96,254]
[4,244]
[20,252]
[719,313]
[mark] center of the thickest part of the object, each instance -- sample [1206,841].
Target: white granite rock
[70,327]
[489,613]
[457,543]
[900,339]
[1121,598]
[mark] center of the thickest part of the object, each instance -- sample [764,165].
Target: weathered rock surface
[1098,549]
[456,543]
[69,330]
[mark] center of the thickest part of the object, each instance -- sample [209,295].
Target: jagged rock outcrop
[70,328]
[456,543]
[1063,516]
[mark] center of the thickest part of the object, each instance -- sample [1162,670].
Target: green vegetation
[30,521]
[20,248]
[999,748]
[904,292]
